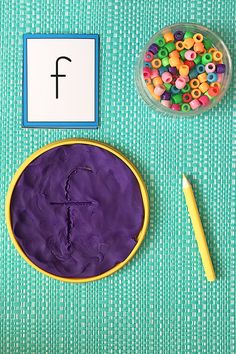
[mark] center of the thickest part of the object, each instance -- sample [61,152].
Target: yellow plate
[143,190]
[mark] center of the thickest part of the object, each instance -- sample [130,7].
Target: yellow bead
[198,38]
[169,37]
[188,43]
[174,61]
[211,50]
[204,87]
[217,56]
[194,83]
[202,77]
[156,63]
[183,70]
[196,93]
[157,81]
[179,45]
[175,53]
[215,84]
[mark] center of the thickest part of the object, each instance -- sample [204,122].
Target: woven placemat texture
[160,302]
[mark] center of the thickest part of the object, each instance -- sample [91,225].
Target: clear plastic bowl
[217,43]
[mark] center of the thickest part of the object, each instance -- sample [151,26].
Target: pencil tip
[185,181]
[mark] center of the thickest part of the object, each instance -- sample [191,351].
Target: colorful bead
[196,93]
[186,89]
[166,77]
[147,72]
[175,107]
[188,34]
[148,81]
[162,69]
[200,68]
[148,56]
[183,70]
[177,98]
[211,50]
[179,35]
[147,65]
[185,107]
[169,37]
[220,68]
[174,90]
[182,54]
[207,43]
[159,89]
[215,84]
[172,70]
[157,81]
[160,42]
[189,63]
[187,97]
[212,77]
[210,68]
[165,61]
[193,73]
[194,104]
[166,96]
[153,48]
[206,58]
[162,53]
[170,47]
[188,43]
[198,47]
[154,73]
[167,86]
[175,53]
[186,78]
[198,37]
[166,103]
[174,61]
[180,83]
[179,45]
[156,63]
[202,77]
[194,83]
[204,100]
[220,77]
[190,55]
[198,59]
[213,91]
[204,87]
[217,56]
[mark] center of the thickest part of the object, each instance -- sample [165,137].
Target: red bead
[187,97]
[190,64]
[213,91]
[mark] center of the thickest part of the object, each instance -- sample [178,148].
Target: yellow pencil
[198,230]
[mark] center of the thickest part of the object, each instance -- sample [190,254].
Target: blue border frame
[54,124]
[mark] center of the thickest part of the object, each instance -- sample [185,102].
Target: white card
[60,81]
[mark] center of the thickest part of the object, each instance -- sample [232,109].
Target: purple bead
[166,96]
[172,70]
[153,48]
[220,68]
[179,35]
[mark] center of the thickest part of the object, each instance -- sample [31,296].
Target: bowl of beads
[185,69]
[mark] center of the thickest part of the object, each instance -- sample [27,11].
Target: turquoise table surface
[160,302]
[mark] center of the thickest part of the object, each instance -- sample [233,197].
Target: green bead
[182,54]
[170,46]
[206,58]
[186,89]
[160,41]
[167,86]
[162,53]
[165,61]
[198,59]
[185,107]
[207,43]
[177,98]
[188,35]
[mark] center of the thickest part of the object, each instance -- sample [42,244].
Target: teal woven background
[161,301]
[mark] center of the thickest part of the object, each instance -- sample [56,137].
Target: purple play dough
[76,211]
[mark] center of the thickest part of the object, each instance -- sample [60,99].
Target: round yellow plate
[143,190]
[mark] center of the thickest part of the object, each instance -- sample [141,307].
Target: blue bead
[162,69]
[200,68]
[193,73]
[147,65]
[174,90]
[212,77]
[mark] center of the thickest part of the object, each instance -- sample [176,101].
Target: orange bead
[148,81]
[202,77]
[150,88]
[157,81]
[174,61]
[204,87]
[183,70]
[215,84]
[156,63]
[179,45]
[217,56]
[175,53]
[169,37]
[196,93]
[198,38]
[194,83]
[211,50]
[198,47]
[188,43]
